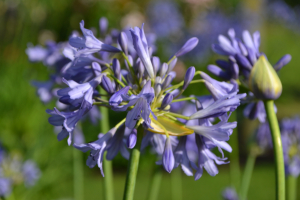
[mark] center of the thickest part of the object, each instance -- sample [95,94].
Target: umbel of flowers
[140,85]
[251,69]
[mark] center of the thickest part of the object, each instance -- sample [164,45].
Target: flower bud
[163,69]
[141,69]
[264,81]
[157,89]
[167,82]
[96,68]
[123,41]
[172,65]
[156,64]
[166,101]
[187,47]
[116,68]
[107,85]
[130,59]
[168,159]
[283,61]
[188,77]
[131,141]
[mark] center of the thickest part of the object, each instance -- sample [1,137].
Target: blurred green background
[24,128]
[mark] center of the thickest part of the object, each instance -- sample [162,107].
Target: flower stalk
[108,180]
[155,183]
[248,174]
[176,185]
[278,152]
[291,188]
[133,166]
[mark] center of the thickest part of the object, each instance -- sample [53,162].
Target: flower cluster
[14,172]
[140,85]
[247,65]
[290,136]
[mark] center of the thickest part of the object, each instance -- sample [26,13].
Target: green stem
[171,60]
[184,99]
[291,188]
[176,184]
[108,179]
[179,115]
[155,183]
[133,167]
[247,175]
[78,175]
[278,153]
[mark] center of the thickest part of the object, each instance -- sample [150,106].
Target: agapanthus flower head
[139,84]
[250,67]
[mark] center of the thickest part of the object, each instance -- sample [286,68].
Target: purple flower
[168,159]
[187,47]
[181,157]
[131,140]
[167,100]
[68,120]
[189,75]
[229,193]
[141,47]
[76,93]
[141,104]
[5,187]
[36,53]
[206,159]
[89,44]
[242,55]
[31,173]
[44,90]
[117,144]
[97,149]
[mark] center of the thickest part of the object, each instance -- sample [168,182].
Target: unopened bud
[187,47]
[166,101]
[264,81]
[123,41]
[188,77]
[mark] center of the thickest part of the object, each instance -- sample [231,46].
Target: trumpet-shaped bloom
[89,44]
[97,149]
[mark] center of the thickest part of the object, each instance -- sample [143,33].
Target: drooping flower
[97,149]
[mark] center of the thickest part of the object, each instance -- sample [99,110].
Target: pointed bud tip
[264,81]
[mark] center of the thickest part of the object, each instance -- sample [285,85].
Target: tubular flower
[139,86]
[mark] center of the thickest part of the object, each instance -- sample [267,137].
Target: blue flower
[229,193]
[31,173]
[5,187]
[141,104]
[69,120]
[89,44]
[97,149]
[141,47]
[181,157]
[168,159]
[76,93]
[206,159]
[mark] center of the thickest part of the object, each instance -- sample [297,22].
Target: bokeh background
[24,128]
